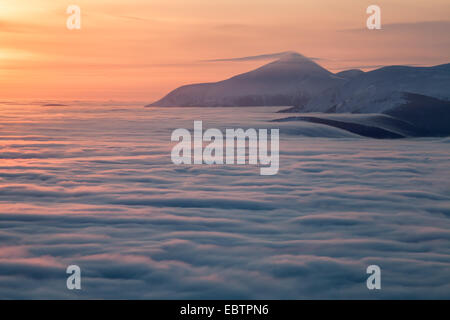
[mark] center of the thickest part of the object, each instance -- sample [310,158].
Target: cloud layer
[96,188]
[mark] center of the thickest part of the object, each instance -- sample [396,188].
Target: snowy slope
[383,89]
[291,80]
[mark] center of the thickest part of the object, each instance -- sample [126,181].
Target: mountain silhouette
[382,89]
[291,80]
[389,102]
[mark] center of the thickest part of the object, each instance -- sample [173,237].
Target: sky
[142,49]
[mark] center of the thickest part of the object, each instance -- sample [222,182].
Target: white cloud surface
[96,188]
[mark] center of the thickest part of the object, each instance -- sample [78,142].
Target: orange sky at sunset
[141,49]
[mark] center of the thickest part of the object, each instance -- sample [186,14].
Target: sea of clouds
[94,186]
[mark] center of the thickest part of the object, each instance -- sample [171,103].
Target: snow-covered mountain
[416,116]
[292,80]
[383,89]
[403,101]
[349,74]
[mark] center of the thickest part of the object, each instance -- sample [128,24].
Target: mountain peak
[290,64]
[293,56]
[292,79]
